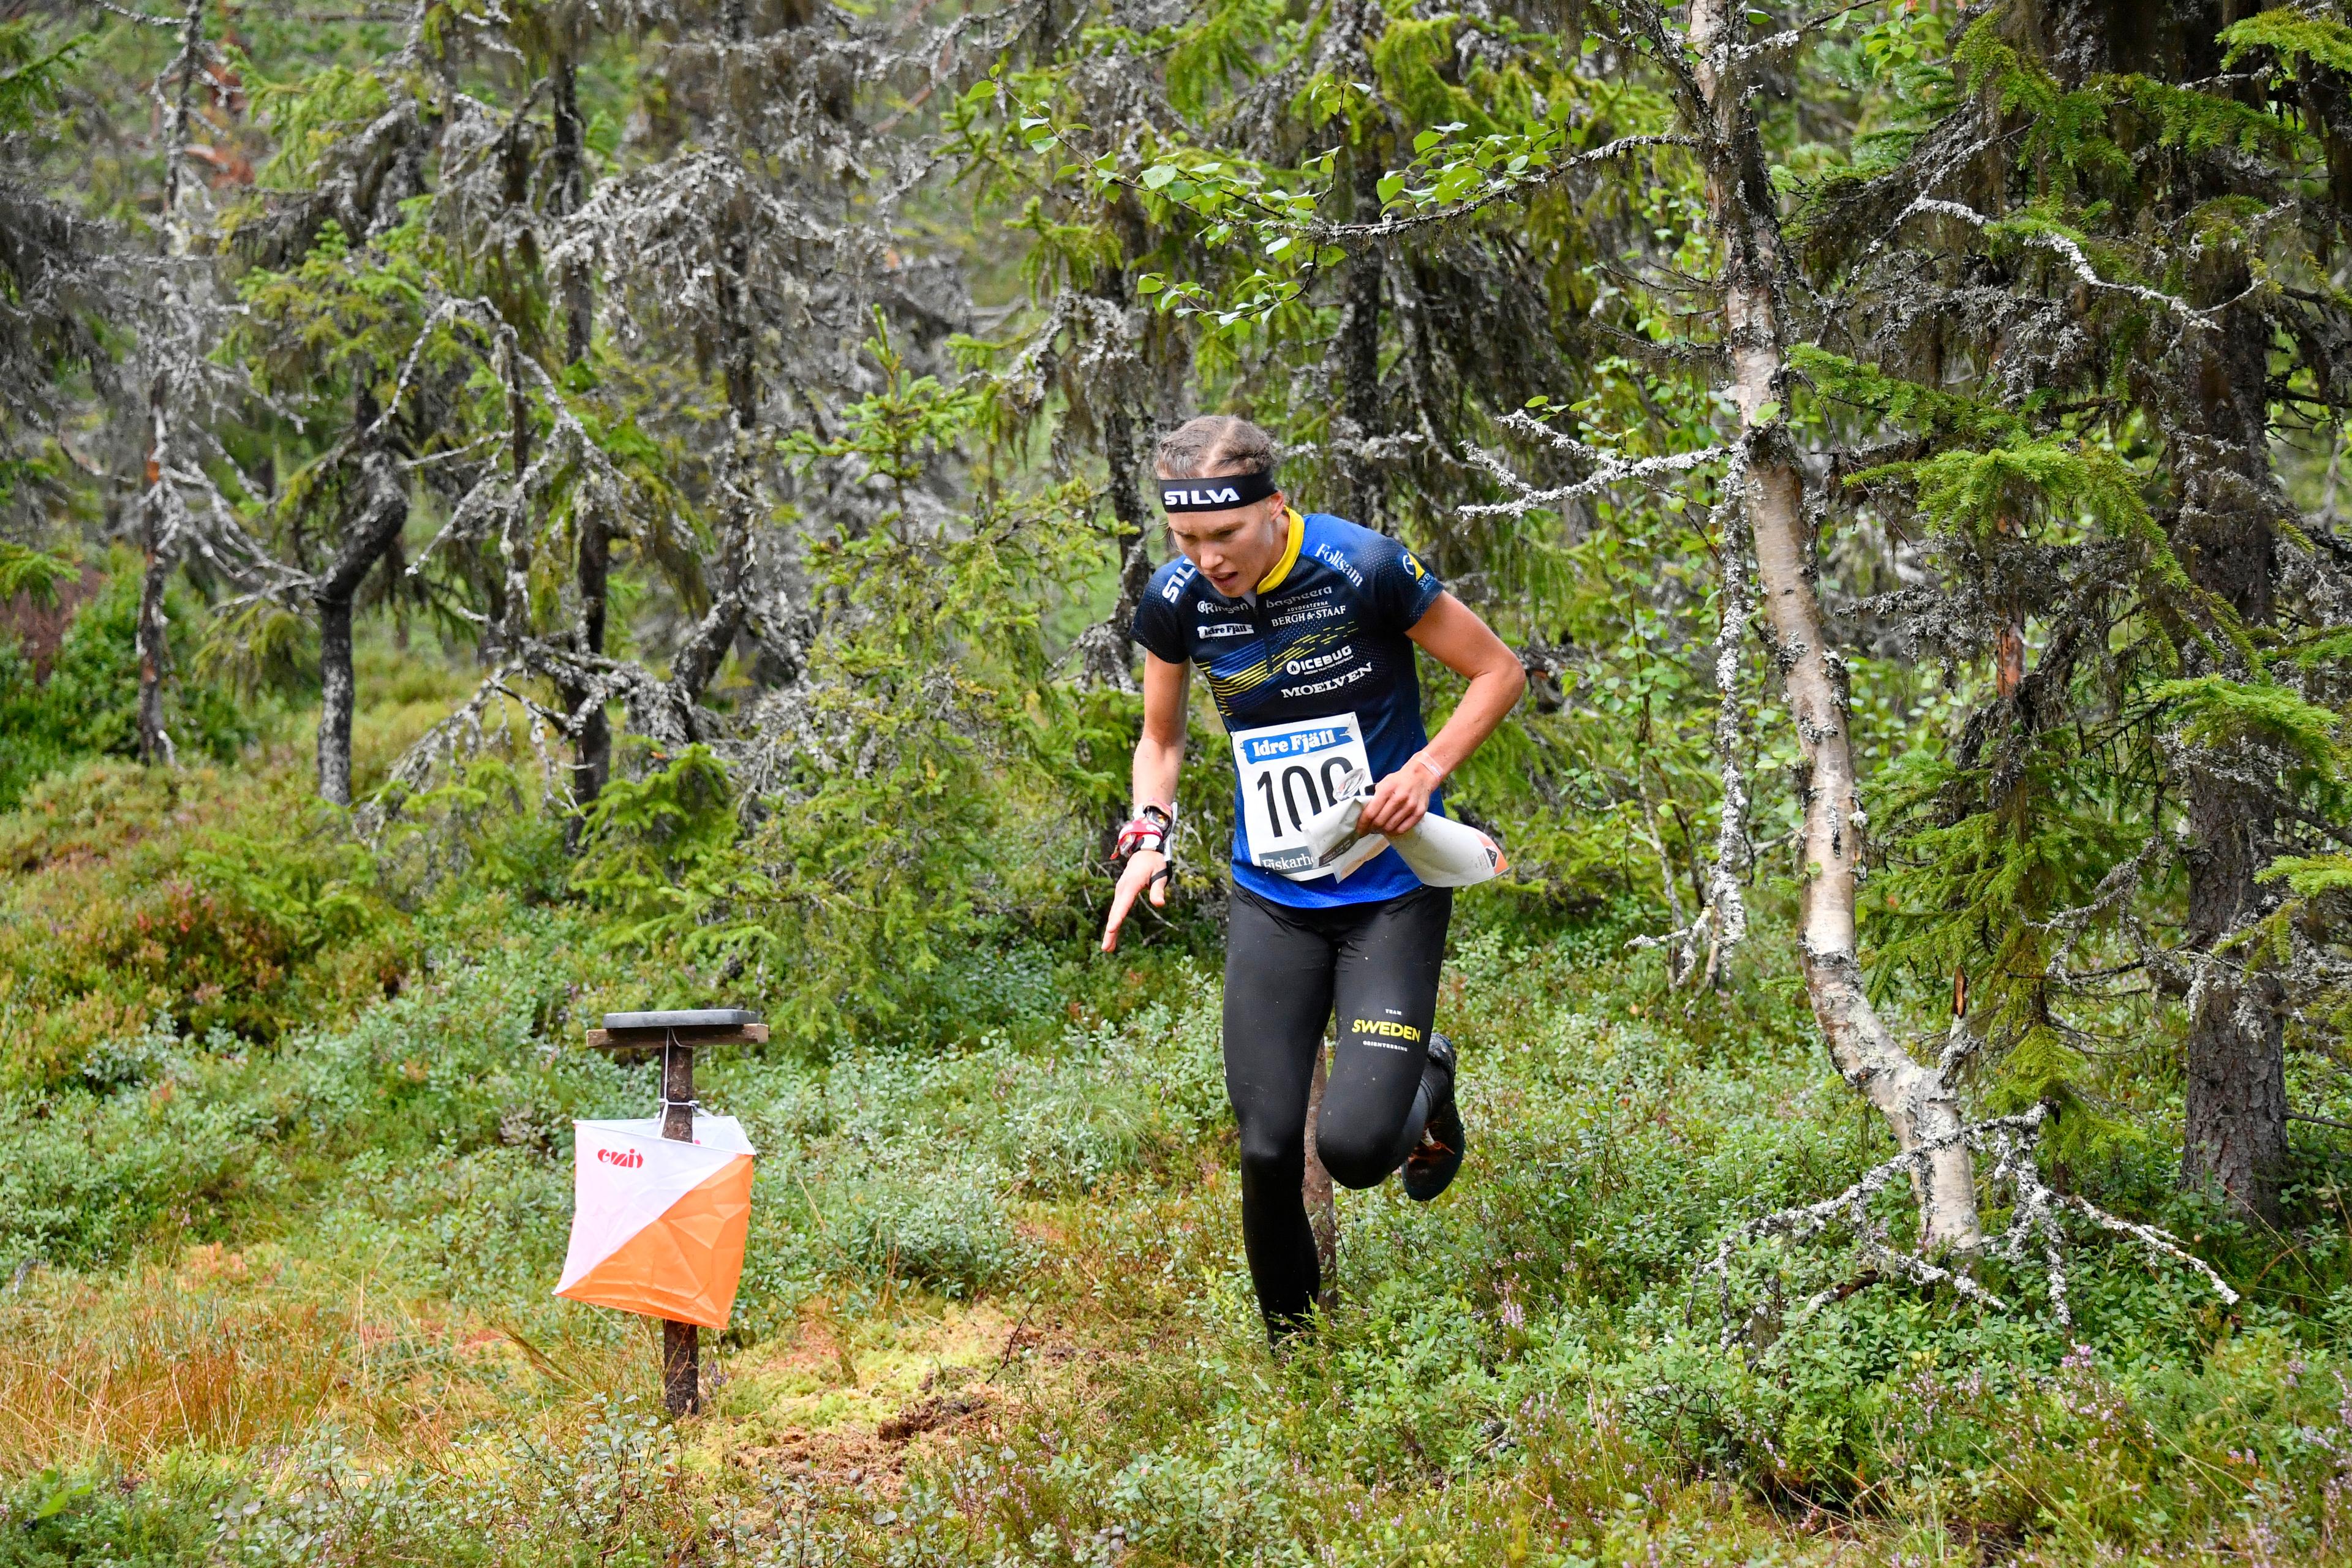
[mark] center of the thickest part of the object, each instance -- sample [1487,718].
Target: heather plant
[262,919]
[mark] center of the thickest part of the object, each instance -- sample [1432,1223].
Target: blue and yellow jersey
[1314,677]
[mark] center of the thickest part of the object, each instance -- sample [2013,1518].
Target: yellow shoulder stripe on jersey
[1273,579]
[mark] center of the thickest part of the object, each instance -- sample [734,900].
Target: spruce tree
[2098,293]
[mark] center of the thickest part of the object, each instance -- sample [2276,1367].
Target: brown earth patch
[38,628]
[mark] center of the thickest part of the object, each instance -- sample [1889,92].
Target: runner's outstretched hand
[1143,870]
[1400,801]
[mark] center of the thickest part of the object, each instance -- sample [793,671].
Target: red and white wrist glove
[1151,829]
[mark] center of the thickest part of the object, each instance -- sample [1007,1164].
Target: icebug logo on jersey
[1215,495]
[1308,665]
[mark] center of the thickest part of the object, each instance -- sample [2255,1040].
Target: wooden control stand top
[635,1037]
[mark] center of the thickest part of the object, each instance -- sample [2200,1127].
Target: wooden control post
[673,1037]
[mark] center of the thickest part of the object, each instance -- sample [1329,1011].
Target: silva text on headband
[1220,493]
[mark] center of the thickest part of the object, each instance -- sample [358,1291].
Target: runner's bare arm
[1159,761]
[1452,634]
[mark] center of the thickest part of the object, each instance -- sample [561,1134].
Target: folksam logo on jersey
[1338,562]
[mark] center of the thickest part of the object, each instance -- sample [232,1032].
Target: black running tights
[1285,970]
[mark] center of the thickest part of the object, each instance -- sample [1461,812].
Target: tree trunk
[672,718]
[570,190]
[335,700]
[2215,417]
[2236,1064]
[1741,208]
[593,742]
[593,749]
[1359,333]
[384,512]
[698,662]
[2236,1092]
[1107,648]
[2009,646]
[153,636]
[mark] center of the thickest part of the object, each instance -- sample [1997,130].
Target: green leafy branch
[30,83]
[33,572]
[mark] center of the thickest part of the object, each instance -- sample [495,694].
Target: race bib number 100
[1289,773]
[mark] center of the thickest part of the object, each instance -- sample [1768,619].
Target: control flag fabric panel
[658,1227]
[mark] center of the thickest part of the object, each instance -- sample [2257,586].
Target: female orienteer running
[1303,628]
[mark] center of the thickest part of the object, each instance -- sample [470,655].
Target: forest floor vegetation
[280,1271]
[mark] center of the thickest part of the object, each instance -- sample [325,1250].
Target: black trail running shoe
[1429,1169]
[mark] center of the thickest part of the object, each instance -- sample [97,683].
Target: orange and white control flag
[658,1227]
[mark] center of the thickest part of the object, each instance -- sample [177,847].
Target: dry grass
[230,1352]
[156,1362]
[226,1352]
